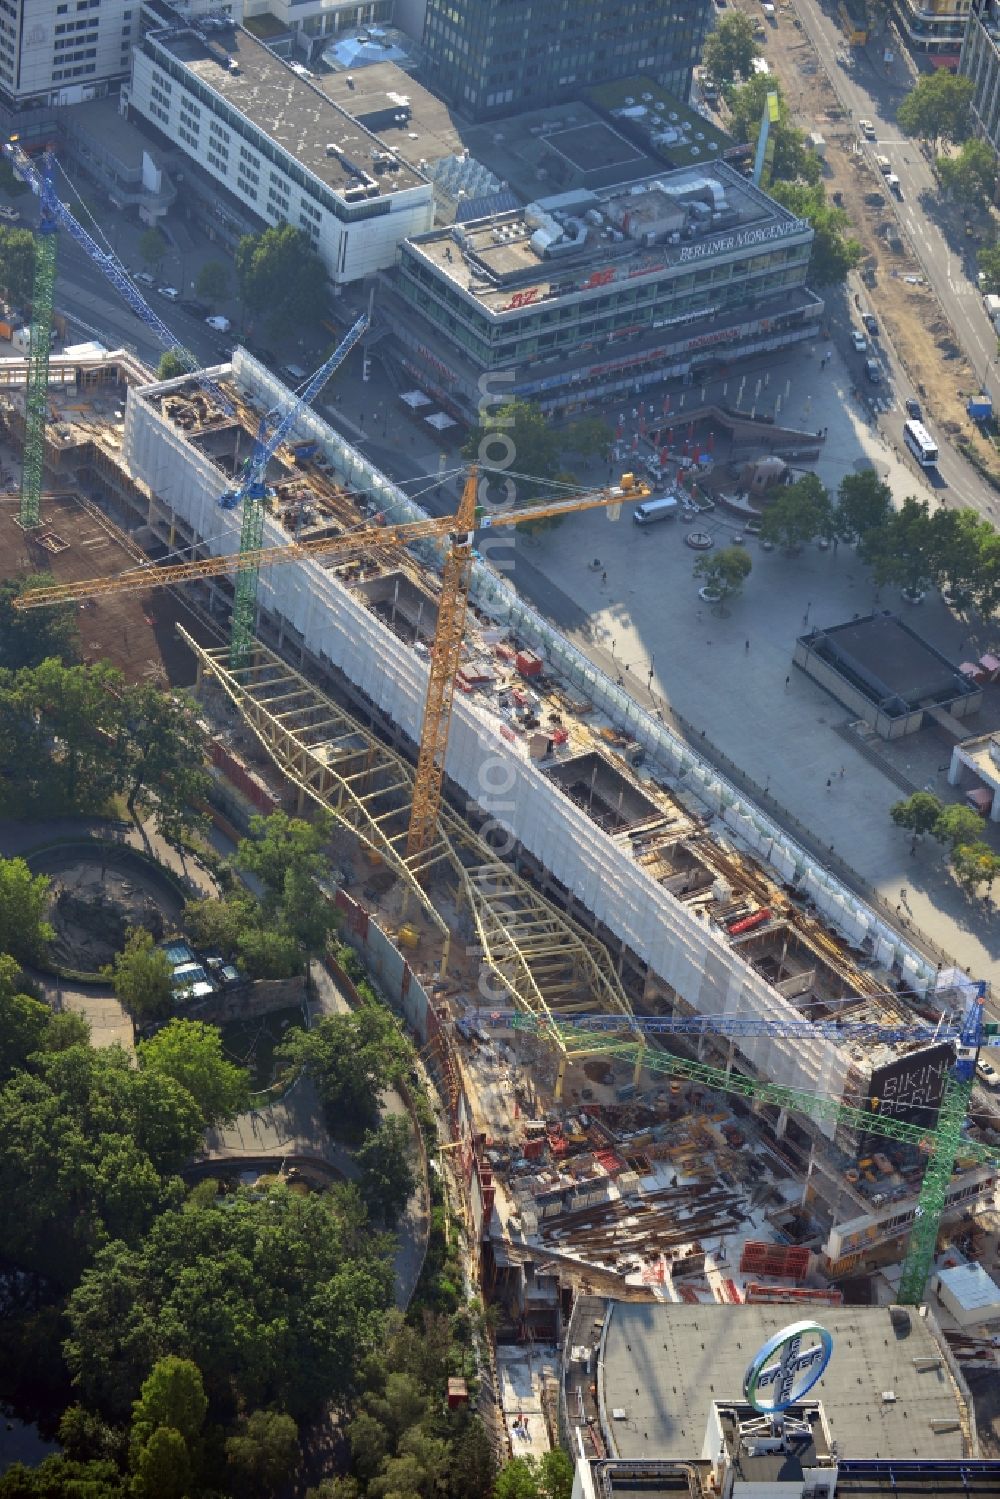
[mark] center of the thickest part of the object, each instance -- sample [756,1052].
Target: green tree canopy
[937,107]
[281,277]
[162,1468]
[24,1022]
[59,1477]
[958,824]
[280,844]
[171,365]
[238,928]
[834,251]
[384,1159]
[24,932]
[141,977]
[191,1052]
[212,281]
[29,637]
[730,49]
[516,435]
[902,552]
[264,1292]
[351,1058]
[724,572]
[173,1394]
[591,437]
[152,247]
[17,264]
[989,264]
[919,813]
[798,514]
[864,504]
[263,1456]
[971,174]
[163,757]
[975,864]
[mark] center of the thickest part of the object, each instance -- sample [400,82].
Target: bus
[920,443]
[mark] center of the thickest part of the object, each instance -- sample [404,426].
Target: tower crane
[54,215]
[946,1140]
[457,529]
[252,493]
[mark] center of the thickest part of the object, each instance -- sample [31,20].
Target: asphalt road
[866,94]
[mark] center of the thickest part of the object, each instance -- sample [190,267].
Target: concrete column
[782,1125]
[955,768]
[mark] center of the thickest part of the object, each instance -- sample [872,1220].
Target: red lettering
[523,298]
[599,278]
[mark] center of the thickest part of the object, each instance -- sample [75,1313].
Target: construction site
[696,1068]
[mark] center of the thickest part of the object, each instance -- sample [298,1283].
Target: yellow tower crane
[459,529]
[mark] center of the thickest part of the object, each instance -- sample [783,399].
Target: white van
[894,185]
[652,511]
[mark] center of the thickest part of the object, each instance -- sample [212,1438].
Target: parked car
[144,278]
[867,129]
[170,292]
[913,408]
[859,341]
[196,309]
[987,1074]
[873,372]
[219,323]
[871,322]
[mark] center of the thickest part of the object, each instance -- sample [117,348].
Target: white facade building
[61,51]
[280,145]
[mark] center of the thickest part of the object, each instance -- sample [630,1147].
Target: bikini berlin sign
[787,1367]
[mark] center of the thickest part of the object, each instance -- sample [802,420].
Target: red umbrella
[618,432]
[664,454]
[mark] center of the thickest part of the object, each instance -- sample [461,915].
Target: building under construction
[587,859]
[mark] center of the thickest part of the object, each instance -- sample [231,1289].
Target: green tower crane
[36,399]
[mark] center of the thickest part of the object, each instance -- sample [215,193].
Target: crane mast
[36,399]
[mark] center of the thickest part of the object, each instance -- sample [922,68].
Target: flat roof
[526,150]
[665,1364]
[582,240]
[378,93]
[670,127]
[887,659]
[971,1287]
[292,110]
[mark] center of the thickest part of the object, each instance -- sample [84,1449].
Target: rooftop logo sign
[743,239]
[787,1367]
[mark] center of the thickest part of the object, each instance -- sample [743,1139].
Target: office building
[981,62]
[279,145]
[62,51]
[933,29]
[598,292]
[495,57]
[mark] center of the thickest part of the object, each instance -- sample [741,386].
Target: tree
[957,825]
[937,107]
[152,247]
[264,1456]
[975,864]
[164,758]
[834,252]
[212,281]
[24,932]
[555,1475]
[919,813]
[60,1477]
[518,1480]
[989,264]
[387,1176]
[280,844]
[970,176]
[902,552]
[960,545]
[799,513]
[141,977]
[590,437]
[162,1469]
[262,1290]
[173,1395]
[191,1052]
[23,1021]
[864,504]
[171,366]
[17,264]
[281,275]
[516,433]
[27,638]
[725,572]
[730,49]
[350,1058]
[75,718]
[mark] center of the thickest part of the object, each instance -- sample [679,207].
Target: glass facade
[494,57]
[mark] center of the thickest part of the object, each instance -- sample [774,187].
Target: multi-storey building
[490,57]
[981,63]
[591,294]
[933,28]
[61,51]
[279,145]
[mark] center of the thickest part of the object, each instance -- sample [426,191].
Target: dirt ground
[907,308]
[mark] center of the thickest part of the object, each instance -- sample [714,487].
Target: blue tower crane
[252,492]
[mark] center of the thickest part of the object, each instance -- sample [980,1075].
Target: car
[196,309]
[144,278]
[871,322]
[219,323]
[894,185]
[10,215]
[867,129]
[873,372]
[913,408]
[859,341]
[987,1074]
[170,292]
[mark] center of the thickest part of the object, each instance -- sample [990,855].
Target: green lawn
[251,1042]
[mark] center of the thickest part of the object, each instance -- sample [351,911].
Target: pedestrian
[604,577]
[747,647]
[829,783]
[843,771]
[788,682]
